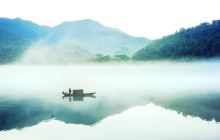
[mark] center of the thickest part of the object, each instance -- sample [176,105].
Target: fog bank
[60,53]
[151,78]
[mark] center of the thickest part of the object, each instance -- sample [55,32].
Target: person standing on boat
[70,90]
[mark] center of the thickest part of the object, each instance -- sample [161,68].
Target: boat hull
[78,94]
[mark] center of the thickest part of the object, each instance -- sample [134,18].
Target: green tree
[101,58]
[121,58]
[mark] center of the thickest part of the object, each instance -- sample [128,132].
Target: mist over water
[129,79]
[31,94]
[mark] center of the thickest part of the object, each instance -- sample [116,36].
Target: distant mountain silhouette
[91,37]
[96,38]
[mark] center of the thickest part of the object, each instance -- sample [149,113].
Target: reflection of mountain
[21,113]
[16,35]
[205,106]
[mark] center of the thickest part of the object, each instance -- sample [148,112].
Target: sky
[148,18]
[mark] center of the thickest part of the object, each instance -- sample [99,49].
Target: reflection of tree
[205,106]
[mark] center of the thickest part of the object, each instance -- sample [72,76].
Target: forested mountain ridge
[202,41]
[80,37]
[16,35]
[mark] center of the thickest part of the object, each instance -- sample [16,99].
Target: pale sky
[148,18]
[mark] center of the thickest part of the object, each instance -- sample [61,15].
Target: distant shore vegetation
[107,58]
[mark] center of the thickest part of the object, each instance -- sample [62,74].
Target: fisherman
[70,90]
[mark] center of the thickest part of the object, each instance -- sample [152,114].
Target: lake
[151,100]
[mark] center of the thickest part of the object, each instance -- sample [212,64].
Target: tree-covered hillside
[202,41]
[15,35]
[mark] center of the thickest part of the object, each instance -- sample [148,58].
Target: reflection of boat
[78,95]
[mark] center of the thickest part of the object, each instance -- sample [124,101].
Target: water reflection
[203,105]
[147,122]
[22,112]
[79,97]
[31,94]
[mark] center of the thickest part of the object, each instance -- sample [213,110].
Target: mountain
[202,41]
[95,38]
[15,35]
[20,38]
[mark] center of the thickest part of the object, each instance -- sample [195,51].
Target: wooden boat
[78,92]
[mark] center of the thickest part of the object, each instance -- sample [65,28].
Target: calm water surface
[147,100]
